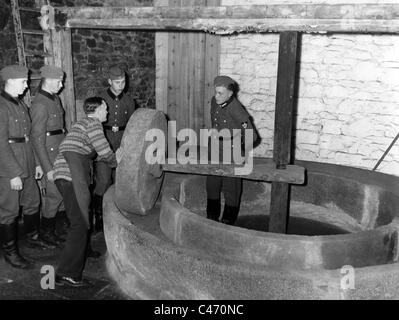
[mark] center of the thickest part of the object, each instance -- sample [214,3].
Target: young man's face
[101,112]
[53,85]
[16,87]
[117,85]
[222,94]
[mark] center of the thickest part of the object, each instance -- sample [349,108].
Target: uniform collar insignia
[111,94]
[224,104]
[5,95]
[47,94]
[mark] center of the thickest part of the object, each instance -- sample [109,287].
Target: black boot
[33,240]
[47,234]
[11,253]
[230,214]
[213,209]
[97,205]
[62,223]
[90,253]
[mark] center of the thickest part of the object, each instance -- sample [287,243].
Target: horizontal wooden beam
[311,18]
[261,172]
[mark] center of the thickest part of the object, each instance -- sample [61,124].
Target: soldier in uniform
[83,143]
[226,113]
[48,131]
[120,107]
[18,167]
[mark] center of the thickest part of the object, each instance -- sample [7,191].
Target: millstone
[137,183]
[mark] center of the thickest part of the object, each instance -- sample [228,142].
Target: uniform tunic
[230,115]
[120,108]
[16,159]
[47,115]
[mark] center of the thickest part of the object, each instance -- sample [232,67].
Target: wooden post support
[62,57]
[284,114]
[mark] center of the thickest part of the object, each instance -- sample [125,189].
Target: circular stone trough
[342,218]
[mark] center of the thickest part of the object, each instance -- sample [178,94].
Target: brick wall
[348,104]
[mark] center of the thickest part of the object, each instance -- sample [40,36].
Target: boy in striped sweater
[84,143]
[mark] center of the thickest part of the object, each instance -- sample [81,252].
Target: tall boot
[90,252]
[213,209]
[11,253]
[62,223]
[47,234]
[97,204]
[32,227]
[230,214]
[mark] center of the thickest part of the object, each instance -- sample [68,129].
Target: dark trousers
[79,165]
[231,188]
[72,259]
[104,176]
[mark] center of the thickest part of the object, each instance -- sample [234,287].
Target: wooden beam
[320,17]
[261,172]
[286,72]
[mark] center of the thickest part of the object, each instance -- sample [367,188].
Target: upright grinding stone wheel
[138,183]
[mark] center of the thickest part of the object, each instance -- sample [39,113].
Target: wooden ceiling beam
[312,18]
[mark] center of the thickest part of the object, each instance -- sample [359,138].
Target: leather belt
[55,132]
[114,128]
[18,140]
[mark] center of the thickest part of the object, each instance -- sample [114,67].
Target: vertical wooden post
[212,64]
[62,55]
[161,62]
[283,122]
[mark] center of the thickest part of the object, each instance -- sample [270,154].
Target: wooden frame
[318,18]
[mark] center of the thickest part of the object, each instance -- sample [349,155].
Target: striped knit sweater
[85,136]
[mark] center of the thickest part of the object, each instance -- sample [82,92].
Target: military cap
[14,72]
[115,72]
[223,81]
[51,72]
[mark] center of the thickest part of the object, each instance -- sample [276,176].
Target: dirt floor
[16,284]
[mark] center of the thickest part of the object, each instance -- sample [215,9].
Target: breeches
[11,200]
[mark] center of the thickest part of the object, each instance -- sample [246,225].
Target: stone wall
[93,52]
[348,111]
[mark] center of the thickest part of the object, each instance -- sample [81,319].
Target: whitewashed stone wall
[348,108]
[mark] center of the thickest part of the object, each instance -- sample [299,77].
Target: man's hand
[38,173]
[50,175]
[119,155]
[16,183]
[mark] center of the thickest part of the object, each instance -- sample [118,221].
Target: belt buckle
[26,138]
[115,129]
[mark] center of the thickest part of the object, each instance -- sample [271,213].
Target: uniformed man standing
[18,167]
[226,113]
[120,107]
[48,130]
